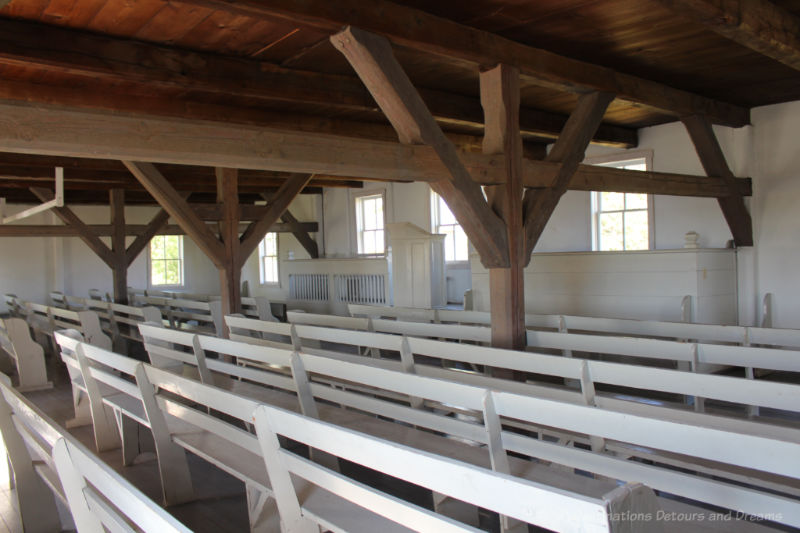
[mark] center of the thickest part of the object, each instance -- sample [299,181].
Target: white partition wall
[644,285]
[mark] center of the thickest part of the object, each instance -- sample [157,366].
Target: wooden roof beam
[54,49]
[133,230]
[78,133]
[419,30]
[759,25]
[372,58]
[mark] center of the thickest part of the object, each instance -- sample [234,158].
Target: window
[622,221]
[370,224]
[456,245]
[268,259]
[166,260]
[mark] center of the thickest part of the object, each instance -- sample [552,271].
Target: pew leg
[106,434]
[262,511]
[129,435]
[173,467]
[83,414]
[455,509]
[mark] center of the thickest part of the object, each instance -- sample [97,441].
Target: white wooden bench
[47,462]
[28,356]
[13,304]
[120,321]
[45,320]
[343,382]
[117,411]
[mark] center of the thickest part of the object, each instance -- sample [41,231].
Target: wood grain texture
[568,151]
[231,274]
[500,100]
[119,270]
[713,161]
[431,34]
[372,58]
[172,202]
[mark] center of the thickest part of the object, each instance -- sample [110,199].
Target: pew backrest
[28,356]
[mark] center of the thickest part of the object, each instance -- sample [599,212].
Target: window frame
[262,248]
[355,200]
[435,225]
[615,160]
[182,260]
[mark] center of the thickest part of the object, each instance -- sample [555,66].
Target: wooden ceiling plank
[68,217]
[759,25]
[713,161]
[115,59]
[280,202]
[373,60]
[568,152]
[416,29]
[172,201]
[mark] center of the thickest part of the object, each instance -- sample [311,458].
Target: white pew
[29,437]
[47,462]
[46,320]
[13,304]
[100,499]
[16,341]
[117,412]
[355,379]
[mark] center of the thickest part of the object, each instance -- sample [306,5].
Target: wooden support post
[568,150]
[500,100]
[230,274]
[119,269]
[372,58]
[713,160]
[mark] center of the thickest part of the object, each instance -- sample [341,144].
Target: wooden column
[119,268]
[230,274]
[500,101]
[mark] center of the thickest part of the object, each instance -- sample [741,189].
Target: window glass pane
[611,231]
[462,245]
[172,247]
[157,247]
[636,234]
[612,201]
[635,201]
[449,243]
[173,269]
[157,274]
[370,216]
[445,215]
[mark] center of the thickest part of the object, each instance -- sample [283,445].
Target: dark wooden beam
[372,58]
[230,275]
[568,152]
[136,230]
[156,224]
[280,202]
[68,217]
[119,269]
[174,204]
[416,29]
[302,236]
[713,161]
[760,25]
[500,99]
[102,57]
[96,135]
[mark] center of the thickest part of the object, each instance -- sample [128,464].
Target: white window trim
[150,267]
[354,196]
[273,284]
[619,158]
[434,212]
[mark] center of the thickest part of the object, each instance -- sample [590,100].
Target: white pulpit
[417,266]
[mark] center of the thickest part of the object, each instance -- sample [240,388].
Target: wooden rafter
[108,58]
[135,230]
[372,58]
[568,152]
[280,201]
[179,209]
[760,25]
[500,98]
[68,217]
[76,133]
[143,238]
[713,161]
[419,30]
